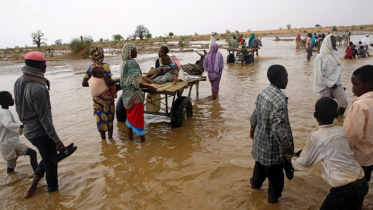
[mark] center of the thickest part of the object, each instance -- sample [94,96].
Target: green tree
[38,38]
[149,36]
[171,34]
[318,26]
[58,42]
[288,26]
[141,32]
[334,28]
[117,37]
[227,31]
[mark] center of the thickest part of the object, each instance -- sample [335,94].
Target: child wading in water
[363,53]
[271,134]
[328,144]
[359,119]
[102,87]
[166,72]
[10,145]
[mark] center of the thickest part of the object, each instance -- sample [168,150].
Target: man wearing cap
[31,93]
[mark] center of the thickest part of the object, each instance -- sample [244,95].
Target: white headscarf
[365,40]
[327,49]
[324,76]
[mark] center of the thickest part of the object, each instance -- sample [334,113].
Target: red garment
[349,53]
[298,38]
[241,40]
[135,115]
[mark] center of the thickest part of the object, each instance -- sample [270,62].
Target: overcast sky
[102,18]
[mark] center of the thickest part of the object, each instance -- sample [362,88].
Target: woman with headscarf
[309,46]
[252,37]
[241,40]
[298,41]
[349,51]
[133,99]
[103,105]
[365,41]
[327,74]
[212,38]
[214,65]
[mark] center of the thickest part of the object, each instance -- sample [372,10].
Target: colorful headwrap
[97,55]
[126,53]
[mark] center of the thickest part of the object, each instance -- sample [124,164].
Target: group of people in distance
[352,50]
[359,51]
[311,42]
[345,153]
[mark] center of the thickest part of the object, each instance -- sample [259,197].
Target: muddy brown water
[205,164]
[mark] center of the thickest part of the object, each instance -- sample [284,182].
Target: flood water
[205,164]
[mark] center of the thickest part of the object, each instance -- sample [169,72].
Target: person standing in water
[213,65]
[103,104]
[327,74]
[309,46]
[212,38]
[10,145]
[32,100]
[133,99]
[252,37]
[359,118]
[271,134]
[328,144]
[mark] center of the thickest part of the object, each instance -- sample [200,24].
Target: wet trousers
[275,176]
[347,197]
[47,149]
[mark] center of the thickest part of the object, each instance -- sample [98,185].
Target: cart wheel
[180,111]
[120,111]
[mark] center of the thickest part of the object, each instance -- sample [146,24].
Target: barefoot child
[10,145]
[103,91]
[271,134]
[328,144]
[166,72]
[359,119]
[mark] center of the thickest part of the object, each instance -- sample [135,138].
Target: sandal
[64,154]
[288,168]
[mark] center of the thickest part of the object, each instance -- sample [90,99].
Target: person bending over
[328,144]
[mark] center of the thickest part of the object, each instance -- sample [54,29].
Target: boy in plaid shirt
[271,134]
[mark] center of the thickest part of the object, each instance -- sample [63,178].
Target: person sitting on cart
[167,72]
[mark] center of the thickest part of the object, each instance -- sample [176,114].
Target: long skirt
[104,111]
[135,119]
[215,84]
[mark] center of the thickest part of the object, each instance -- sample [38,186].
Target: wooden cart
[180,108]
[239,55]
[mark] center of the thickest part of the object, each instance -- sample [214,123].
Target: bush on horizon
[78,46]
[334,28]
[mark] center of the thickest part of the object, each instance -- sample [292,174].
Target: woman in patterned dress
[103,105]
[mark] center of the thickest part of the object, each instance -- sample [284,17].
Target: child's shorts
[10,153]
